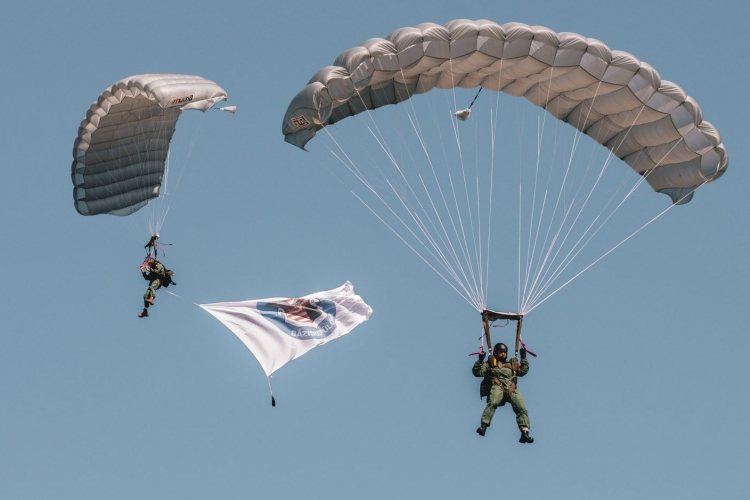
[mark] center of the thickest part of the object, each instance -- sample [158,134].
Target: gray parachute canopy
[122,144]
[612,96]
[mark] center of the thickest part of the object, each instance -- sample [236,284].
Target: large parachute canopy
[121,152]
[611,96]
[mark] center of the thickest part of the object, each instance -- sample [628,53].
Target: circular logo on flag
[302,319]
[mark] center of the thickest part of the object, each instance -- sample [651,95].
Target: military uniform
[154,276]
[503,389]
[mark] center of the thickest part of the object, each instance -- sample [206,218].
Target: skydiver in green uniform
[499,385]
[156,276]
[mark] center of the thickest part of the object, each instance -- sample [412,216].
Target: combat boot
[525,438]
[150,300]
[144,314]
[482,429]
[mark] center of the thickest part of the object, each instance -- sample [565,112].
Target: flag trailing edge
[278,330]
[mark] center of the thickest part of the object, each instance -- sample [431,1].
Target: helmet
[500,347]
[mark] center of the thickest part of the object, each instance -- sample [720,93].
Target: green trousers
[152,288]
[498,398]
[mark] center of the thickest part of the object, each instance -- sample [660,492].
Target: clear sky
[639,389]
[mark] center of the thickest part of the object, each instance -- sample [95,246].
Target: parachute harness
[154,246]
[147,262]
[489,317]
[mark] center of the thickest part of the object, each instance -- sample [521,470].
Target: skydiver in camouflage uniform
[499,385]
[156,275]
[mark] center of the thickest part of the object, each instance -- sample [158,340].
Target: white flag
[279,330]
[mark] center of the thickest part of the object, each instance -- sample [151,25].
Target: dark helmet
[500,347]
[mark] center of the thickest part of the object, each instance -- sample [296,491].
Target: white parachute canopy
[278,330]
[506,186]
[120,154]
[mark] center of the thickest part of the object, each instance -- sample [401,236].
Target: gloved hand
[482,354]
[523,353]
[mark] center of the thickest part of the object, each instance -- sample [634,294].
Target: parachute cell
[123,143]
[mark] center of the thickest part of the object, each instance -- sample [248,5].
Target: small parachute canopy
[619,101]
[122,145]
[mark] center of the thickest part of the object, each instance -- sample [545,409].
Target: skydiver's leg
[519,408]
[495,400]
[150,294]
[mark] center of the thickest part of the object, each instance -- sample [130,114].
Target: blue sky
[639,387]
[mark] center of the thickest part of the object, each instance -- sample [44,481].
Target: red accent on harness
[523,346]
[481,348]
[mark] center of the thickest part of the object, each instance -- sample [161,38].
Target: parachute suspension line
[152,124]
[520,208]
[418,220]
[156,217]
[493,136]
[475,230]
[577,136]
[486,266]
[461,235]
[478,208]
[611,250]
[168,196]
[540,137]
[546,244]
[531,251]
[351,166]
[444,237]
[460,232]
[568,259]
[520,197]
[540,140]
[141,132]
[162,134]
[446,240]
[467,296]
[473,251]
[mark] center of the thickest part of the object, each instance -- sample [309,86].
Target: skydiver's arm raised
[480,368]
[524,368]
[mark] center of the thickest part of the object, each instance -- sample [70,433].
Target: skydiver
[157,276]
[500,377]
